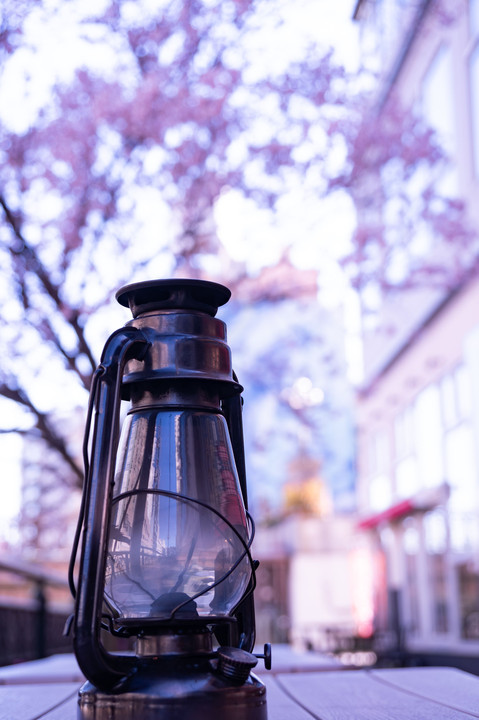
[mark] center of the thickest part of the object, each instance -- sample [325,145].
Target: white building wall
[419,414]
[329,576]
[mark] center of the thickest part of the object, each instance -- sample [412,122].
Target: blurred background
[321,162]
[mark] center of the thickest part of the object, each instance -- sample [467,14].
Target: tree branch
[45,428]
[32,263]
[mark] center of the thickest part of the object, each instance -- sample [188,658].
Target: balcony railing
[31,622]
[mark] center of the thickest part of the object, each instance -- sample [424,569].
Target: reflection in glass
[179,533]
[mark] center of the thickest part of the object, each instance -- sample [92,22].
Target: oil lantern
[164,533]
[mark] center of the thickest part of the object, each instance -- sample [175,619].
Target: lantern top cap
[174,294]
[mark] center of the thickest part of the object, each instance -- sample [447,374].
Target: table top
[64,668]
[325,694]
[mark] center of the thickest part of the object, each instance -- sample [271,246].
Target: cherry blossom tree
[115,176]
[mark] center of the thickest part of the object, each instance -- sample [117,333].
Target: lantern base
[196,693]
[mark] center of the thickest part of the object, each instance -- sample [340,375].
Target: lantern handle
[100,667]
[86,470]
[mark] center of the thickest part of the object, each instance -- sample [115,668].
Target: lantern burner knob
[235,664]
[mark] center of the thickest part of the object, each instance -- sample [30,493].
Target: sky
[246,232]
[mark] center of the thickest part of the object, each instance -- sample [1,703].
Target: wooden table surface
[325,694]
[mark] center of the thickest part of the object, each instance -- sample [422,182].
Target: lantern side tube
[100,667]
[244,612]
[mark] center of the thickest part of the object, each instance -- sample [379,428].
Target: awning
[423,501]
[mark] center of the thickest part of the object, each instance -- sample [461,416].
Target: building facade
[418,412]
[313,583]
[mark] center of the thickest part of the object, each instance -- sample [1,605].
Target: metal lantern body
[165,534]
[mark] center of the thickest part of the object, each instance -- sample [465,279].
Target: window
[456,393]
[474,92]
[404,433]
[437,93]
[461,467]
[411,548]
[378,452]
[378,468]
[428,429]
[463,387]
[473,18]
[474,79]
[407,477]
[448,402]
[469,602]
[439,595]
[437,100]
[435,532]
[436,542]
[380,495]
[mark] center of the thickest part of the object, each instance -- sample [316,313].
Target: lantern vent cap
[175,294]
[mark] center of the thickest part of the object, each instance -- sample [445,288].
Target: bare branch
[45,427]
[26,254]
